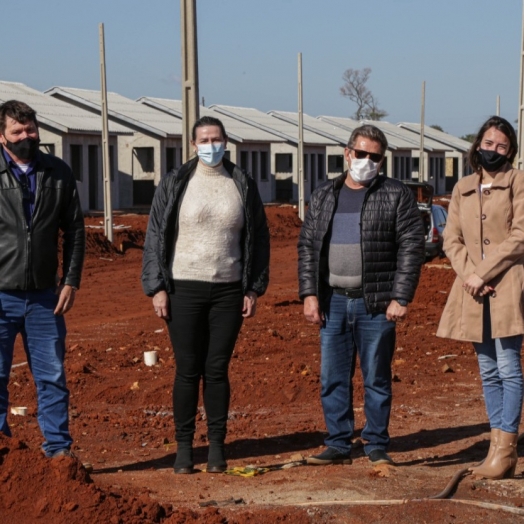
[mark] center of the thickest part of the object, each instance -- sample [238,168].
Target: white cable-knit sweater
[210,224]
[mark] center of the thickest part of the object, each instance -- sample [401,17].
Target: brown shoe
[503,460]
[493,442]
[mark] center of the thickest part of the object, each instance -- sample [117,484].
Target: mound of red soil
[60,490]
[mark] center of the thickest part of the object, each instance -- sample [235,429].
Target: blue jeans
[43,333]
[501,374]
[348,329]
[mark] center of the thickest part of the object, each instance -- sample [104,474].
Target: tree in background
[356,90]
[469,138]
[437,127]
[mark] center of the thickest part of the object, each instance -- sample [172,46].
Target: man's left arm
[72,226]
[410,254]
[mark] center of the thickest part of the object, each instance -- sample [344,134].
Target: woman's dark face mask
[491,160]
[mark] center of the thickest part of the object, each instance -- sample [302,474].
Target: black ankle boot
[184,458]
[216,461]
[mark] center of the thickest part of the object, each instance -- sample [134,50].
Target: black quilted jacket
[162,227]
[392,243]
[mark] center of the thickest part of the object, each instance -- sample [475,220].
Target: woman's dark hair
[18,111]
[504,127]
[208,121]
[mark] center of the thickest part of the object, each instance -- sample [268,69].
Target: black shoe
[216,461]
[184,458]
[379,456]
[330,456]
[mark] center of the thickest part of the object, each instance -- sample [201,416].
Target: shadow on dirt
[238,449]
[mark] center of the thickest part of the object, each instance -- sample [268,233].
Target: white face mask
[363,170]
[211,154]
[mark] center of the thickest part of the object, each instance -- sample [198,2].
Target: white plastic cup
[150,358]
[22,411]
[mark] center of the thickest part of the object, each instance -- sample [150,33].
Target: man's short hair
[18,111]
[208,121]
[371,132]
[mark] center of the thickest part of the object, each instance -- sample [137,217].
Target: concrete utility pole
[421,151]
[190,98]
[300,163]
[108,206]
[498,105]
[520,161]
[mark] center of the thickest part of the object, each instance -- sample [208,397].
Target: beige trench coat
[496,227]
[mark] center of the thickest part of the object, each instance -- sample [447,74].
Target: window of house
[264,166]
[75,154]
[284,162]
[112,162]
[305,167]
[244,161]
[146,158]
[170,158]
[227,154]
[254,165]
[396,168]
[335,163]
[320,167]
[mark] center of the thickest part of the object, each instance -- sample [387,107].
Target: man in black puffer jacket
[360,251]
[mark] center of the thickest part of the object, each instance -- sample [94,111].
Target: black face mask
[24,149]
[491,160]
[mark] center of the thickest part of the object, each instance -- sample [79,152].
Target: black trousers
[205,321]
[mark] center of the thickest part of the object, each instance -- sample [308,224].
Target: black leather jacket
[163,223]
[29,255]
[391,237]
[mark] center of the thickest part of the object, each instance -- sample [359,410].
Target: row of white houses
[146,142]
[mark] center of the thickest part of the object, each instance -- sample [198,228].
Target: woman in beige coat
[484,241]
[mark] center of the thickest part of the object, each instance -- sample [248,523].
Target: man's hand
[66,299]
[474,286]
[161,304]
[250,305]
[396,312]
[312,310]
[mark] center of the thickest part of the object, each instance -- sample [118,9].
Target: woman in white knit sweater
[206,260]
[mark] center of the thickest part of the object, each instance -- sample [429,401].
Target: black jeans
[205,321]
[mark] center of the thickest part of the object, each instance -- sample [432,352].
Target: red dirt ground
[121,413]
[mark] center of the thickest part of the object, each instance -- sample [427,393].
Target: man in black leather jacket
[360,251]
[38,200]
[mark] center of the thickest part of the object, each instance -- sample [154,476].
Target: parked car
[433,216]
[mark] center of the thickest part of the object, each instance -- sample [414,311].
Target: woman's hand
[250,305]
[474,285]
[161,304]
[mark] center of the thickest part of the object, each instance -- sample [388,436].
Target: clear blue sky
[467,51]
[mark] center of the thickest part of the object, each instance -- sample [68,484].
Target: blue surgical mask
[211,154]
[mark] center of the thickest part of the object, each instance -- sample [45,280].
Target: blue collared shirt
[27,181]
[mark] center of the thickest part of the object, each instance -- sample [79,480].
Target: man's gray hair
[371,132]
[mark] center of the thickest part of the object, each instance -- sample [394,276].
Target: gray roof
[236,130]
[429,144]
[314,125]
[440,136]
[397,138]
[272,125]
[123,109]
[55,113]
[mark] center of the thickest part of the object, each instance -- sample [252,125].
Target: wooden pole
[108,207]
[421,174]
[190,97]
[300,163]
[520,161]
[498,105]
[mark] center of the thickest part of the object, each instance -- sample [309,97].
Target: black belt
[349,292]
